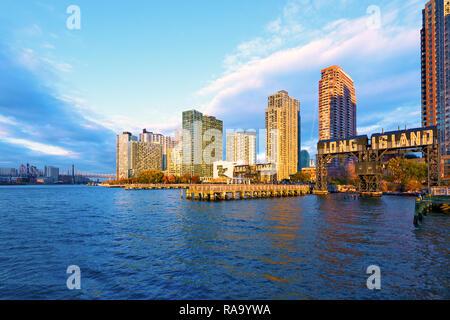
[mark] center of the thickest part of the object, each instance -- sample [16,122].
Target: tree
[149,176]
[301,177]
[195,179]
[186,178]
[172,179]
[409,175]
[412,185]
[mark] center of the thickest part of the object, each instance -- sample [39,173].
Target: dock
[437,200]
[155,186]
[242,192]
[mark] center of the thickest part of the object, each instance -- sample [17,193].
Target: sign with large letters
[342,146]
[404,139]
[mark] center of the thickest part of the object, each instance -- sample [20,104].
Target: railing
[246,188]
[440,191]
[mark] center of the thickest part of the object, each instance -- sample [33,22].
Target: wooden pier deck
[146,186]
[155,186]
[242,191]
[438,200]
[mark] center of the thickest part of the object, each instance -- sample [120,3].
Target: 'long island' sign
[404,139]
[419,137]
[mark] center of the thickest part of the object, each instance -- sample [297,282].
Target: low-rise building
[225,169]
[257,173]
[312,172]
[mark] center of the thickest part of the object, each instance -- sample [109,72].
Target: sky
[65,93]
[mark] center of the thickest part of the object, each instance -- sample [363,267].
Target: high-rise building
[337,105]
[202,143]
[241,146]
[134,156]
[123,155]
[166,143]
[175,155]
[435,58]
[283,134]
[304,155]
[145,156]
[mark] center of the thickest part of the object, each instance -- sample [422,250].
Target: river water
[151,244]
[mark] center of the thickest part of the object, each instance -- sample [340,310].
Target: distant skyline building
[435,77]
[202,143]
[51,173]
[241,146]
[337,105]
[283,129]
[304,159]
[8,172]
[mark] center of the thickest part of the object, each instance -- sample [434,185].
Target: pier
[146,186]
[155,186]
[243,192]
[438,200]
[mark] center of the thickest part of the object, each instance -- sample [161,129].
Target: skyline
[226,69]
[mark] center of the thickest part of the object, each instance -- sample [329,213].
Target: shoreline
[185,186]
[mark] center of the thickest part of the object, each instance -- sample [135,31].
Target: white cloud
[373,123]
[32,31]
[39,64]
[48,46]
[259,66]
[39,147]
[7,120]
[351,42]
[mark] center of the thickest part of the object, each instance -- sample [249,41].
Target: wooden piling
[243,192]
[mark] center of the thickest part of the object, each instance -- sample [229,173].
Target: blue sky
[65,94]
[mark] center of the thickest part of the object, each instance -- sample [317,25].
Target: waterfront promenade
[146,186]
[213,192]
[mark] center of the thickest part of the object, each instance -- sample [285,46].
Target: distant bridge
[84,174]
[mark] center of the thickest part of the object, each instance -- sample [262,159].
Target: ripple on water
[154,245]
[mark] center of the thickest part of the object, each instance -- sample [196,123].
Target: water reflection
[152,244]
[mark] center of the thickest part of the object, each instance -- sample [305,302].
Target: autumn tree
[409,175]
[301,177]
[150,176]
[186,178]
[172,179]
[195,179]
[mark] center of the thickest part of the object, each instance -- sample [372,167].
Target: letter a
[73,21]
[74,281]
[374,281]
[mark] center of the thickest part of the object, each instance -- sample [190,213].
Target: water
[154,245]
